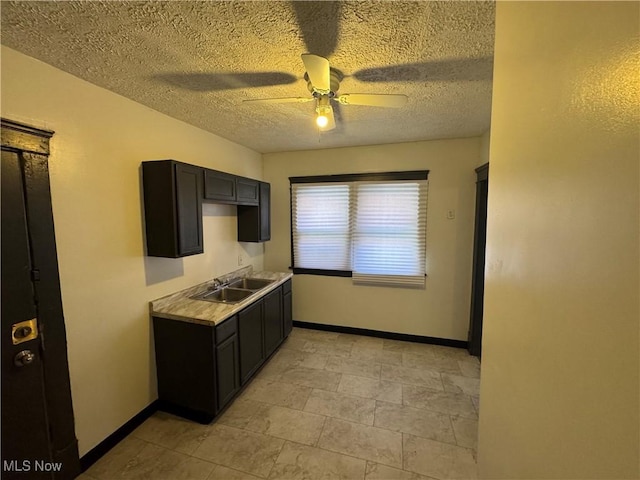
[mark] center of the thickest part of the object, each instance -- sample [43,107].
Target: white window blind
[321,226]
[373,230]
[389,233]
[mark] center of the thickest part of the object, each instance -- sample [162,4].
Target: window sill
[325,273]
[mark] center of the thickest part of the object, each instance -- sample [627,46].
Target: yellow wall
[106,280]
[440,310]
[560,393]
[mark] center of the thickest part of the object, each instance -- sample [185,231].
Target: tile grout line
[402,452]
[455,437]
[353,456]
[276,460]
[324,423]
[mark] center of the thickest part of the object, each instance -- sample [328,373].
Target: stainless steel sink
[225,295]
[250,283]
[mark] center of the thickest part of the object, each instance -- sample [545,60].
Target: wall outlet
[240,260]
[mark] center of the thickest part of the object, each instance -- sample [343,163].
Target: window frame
[343,178]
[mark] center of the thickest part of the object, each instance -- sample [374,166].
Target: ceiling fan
[323,83]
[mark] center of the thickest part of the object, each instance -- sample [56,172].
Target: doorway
[479,250]
[38,435]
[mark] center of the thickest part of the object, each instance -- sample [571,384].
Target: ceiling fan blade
[318,71]
[373,100]
[280,100]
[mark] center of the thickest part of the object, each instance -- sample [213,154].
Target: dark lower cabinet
[185,364]
[251,333]
[201,368]
[273,324]
[228,370]
[287,308]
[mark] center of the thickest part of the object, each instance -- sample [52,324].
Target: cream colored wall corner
[440,310]
[560,367]
[485,144]
[106,280]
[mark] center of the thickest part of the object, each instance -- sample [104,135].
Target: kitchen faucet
[218,284]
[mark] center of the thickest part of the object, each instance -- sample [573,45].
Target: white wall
[442,309]
[560,393]
[106,280]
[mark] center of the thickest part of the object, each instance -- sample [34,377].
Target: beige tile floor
[325,406]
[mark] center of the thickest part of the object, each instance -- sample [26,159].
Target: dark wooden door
[479,250]
[25,429]
[250,331]
[272,320]
[38,430]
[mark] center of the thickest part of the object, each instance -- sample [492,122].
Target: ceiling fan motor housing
[335,77]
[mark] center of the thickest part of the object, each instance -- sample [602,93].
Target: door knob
[24,358]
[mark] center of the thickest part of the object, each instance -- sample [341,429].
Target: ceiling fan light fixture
[323,110]
[322,120]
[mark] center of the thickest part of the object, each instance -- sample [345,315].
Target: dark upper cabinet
[287,308]
[248,191]
[272,311]
[173,195]
[254,223]
[220,186]
[173,208]
[250,335]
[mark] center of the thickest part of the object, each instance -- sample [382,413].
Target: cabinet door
[248,191]
[287,312]
[189,208]
[250,333]
[185,365]
[227,368]
[220,186]
[272,320]
[265,212]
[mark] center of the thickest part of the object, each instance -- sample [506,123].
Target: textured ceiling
[197,61]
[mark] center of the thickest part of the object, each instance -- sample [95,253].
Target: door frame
[474,344]
[33,145]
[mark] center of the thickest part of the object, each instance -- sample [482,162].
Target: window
[368,226]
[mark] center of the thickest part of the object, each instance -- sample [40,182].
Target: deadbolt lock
[24,331]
